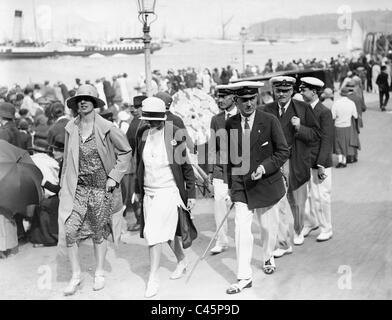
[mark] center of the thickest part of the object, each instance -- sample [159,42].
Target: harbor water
[194,53]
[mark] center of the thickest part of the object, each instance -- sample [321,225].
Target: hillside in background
[370,21]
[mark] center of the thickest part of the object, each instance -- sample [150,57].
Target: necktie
[246,126]
[227,116]
[281,111]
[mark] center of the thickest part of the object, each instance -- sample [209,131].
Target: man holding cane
[257,150]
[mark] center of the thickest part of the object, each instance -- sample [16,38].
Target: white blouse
[157,171]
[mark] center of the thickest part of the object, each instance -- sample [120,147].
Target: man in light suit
[300,127]
[320,182]
[257,150]
[218,170]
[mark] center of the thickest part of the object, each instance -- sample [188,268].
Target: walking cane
[209,245]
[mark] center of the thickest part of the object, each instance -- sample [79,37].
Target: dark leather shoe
[269,266]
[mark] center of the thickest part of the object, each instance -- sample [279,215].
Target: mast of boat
[35,22]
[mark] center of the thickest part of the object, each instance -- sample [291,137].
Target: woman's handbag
[185,228]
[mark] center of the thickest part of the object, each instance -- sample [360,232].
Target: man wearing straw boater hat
[257,151]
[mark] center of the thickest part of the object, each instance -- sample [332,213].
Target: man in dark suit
[320,183]
[130,178]
[216,169]
[300,127]
[383,87]
[8,130]
[57,129]
[257,150]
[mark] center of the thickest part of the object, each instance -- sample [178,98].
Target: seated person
[44,226]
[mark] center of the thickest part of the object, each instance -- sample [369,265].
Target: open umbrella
[20,179]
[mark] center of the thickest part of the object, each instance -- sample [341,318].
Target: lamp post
[147,16]
[243,34]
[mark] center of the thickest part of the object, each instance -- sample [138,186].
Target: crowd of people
[53,123]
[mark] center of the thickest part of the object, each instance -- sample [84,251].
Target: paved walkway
[355,264]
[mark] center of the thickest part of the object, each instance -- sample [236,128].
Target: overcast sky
[176,18]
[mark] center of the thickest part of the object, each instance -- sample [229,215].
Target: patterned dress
[92,212]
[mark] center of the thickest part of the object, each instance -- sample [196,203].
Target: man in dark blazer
[130,178]
[383,87]
[257,150]
[300,127]
[216,169]
[57,128]
[320,183]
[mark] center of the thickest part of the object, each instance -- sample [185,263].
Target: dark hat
[40,145]
[282,82]
[137,101]
[43,100]
[167,99]
[351,84]
[7,110]
[23,124]
[245,89]
[57,109]
[58,143]
[85,91]
[346,91]
[107,114]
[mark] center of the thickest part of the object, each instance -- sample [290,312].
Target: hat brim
[72,101]
[283,87]
[7,115]
[38,149]
[152,118]
[247,96]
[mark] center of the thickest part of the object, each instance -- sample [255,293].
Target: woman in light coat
[97,155]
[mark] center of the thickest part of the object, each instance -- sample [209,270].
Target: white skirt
[160,210]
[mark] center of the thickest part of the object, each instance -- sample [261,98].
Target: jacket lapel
[237,125]
[73,141]
[256,128]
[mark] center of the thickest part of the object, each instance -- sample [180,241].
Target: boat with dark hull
[59,49]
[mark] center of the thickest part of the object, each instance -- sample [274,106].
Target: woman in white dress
[164,183]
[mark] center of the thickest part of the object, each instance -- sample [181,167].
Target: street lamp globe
[146,8]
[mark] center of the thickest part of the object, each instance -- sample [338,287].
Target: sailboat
[355,38]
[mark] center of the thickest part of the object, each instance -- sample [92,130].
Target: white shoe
[307,230]
[152,288]
[298,239]
[99,282]
[73,285]
[324,236]
[180,270]
[126,237]
[218,249]
[281,252]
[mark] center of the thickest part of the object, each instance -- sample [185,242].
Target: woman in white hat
[165,183]
[96,156]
